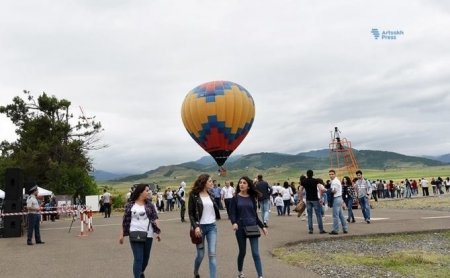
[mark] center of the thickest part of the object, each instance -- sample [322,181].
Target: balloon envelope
[218,115]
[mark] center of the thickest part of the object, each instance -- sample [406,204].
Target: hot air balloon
[218,115]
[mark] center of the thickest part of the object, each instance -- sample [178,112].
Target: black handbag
[138,236]
[252,231]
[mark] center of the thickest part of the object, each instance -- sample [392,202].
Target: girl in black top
[243,213]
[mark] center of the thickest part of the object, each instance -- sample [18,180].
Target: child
[279,203]
[160,202]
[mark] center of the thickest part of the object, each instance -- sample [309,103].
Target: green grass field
[275,175]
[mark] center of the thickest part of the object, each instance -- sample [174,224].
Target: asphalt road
[100,255]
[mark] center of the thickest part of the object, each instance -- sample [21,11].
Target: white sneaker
[241,275]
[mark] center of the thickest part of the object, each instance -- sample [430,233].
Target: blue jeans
[242,244]
[338,215]
[318,210]
[141,254]
[349,208]
[408,192]
[33,225]
[280,210]
[364,203]
[265,206]
[209,232]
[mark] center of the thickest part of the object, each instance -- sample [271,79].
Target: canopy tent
[41,192]
[2,194]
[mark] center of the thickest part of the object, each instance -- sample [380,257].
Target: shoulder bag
[252,231]
[139,236]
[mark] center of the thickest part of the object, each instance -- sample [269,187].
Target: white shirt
[228,192]
[107,197]
[139,220]
[286,193]
[33,203]
[276,189]
[424,183]
[169,195]
[279,201]
[336,186]
[208,214]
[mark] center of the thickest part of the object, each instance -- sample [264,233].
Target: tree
[51,151]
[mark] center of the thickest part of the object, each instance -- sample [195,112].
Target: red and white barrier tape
[42,212]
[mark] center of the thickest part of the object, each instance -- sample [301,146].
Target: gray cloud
[309,66]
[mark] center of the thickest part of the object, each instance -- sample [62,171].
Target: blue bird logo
[375,33]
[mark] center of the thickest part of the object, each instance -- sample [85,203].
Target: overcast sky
[309,65]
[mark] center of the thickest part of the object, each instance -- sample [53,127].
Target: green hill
[278,167]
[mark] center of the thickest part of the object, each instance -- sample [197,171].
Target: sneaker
[241,275]
[333,233]
[310,232]
[323,232]
[345,232]
[265,225]
[368,221]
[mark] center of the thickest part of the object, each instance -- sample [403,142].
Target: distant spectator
[363,187]
[279,203]
[107,199]
[264,199]
[424,184]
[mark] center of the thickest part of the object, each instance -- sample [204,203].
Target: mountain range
[316,159]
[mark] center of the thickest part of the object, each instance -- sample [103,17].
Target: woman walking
[243,215]
[140,223]
[203,213]
[287,195]
[348,193]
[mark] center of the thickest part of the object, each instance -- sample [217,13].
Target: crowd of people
[207,198]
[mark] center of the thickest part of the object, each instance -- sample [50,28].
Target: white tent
[42,192]
[2,194]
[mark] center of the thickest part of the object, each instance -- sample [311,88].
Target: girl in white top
[203,213]
[140,215]
[286,192]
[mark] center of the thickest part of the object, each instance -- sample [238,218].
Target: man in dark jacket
[264,201]
[312,200]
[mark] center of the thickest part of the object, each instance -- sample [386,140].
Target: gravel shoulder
[387,253]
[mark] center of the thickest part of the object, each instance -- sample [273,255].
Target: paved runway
[100,255]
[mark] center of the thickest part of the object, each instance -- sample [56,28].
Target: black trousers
[107,209]
[227,205]
[182,209]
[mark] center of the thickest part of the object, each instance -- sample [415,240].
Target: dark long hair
[252,191]
[137,191]
[199,184]
[347,180]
